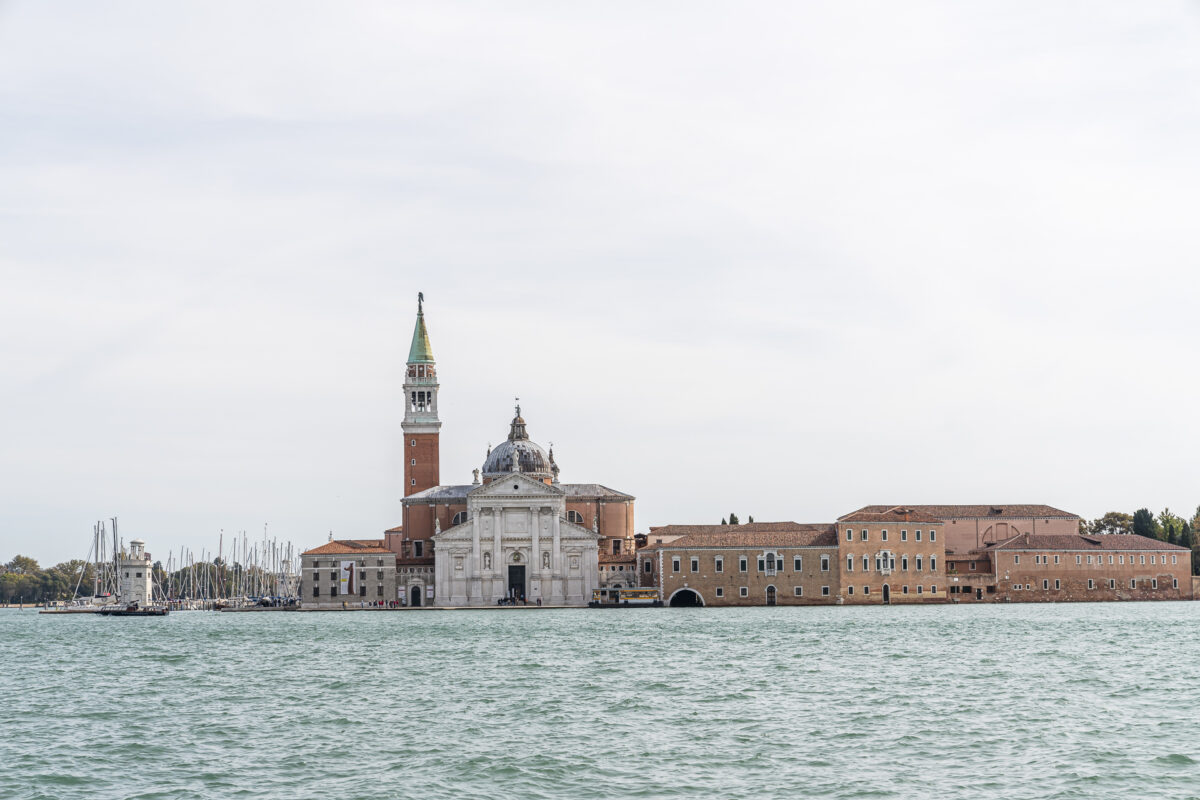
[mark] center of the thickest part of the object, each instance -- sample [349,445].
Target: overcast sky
[779,259]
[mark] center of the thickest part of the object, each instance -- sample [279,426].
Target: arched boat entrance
[414,595]
[887,595]
[685,598]
[771,595]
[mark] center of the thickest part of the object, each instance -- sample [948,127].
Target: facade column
[498,566]
[535,568]
[558,581]
[475,591]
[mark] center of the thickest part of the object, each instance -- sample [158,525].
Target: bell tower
[421,423]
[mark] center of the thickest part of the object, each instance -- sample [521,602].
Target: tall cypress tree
[1143,523]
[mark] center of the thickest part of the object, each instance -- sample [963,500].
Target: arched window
[575,516]
[459,518]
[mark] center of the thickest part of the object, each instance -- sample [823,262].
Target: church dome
[520,454]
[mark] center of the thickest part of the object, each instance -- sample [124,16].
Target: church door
[415,595]
[516,581]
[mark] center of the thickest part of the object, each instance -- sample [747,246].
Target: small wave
[1175,759]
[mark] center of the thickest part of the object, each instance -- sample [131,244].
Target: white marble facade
[516,542]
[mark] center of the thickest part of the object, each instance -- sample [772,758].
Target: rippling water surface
[1039,701]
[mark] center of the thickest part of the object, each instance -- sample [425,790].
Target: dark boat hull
[142,612]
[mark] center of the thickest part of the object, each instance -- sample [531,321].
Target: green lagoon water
[1037,701]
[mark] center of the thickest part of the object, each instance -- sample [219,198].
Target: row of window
[1079,559]
[903,589]
[887,561]
[768,564]
[883,535]
[362,575]
[334,564]
[1112,584]
[333,591]
[743,591]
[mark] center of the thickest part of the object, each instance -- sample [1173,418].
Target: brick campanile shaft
[421,423]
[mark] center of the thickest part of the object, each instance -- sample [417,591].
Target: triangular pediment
[515,484]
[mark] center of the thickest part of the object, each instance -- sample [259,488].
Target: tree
[1143,523]
[1111,523]
[1186,538]
[1168,524]
[750,518]
[23,565]
[723,522]
[733,520]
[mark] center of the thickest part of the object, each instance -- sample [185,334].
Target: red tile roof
[890,514]
[347,546]
[619,558]
[749,527]
[789,534]
[1113,542]
[1020,511]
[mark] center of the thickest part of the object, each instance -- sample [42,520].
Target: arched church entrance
[887,595]
[685,598]
[414,595]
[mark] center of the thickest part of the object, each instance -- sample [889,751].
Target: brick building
[891,555]
[348,571]
[760,563]
[1072,568]
[969,527]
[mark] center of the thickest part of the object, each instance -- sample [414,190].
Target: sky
[778,259]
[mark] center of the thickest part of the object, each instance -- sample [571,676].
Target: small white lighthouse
[136,579]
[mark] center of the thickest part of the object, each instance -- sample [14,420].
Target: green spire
[420,352]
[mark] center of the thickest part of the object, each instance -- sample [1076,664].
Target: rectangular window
[378,574]
[883,535]
[316,591]
[849,590]
[1132,583]
[1078,560]
[917,535]
[720,592]
[333,590]
[762,565]
[933,589]
[1110,558]
[904,563]
[797,563]
[1154,583]
[1016,559]
[333,576]
[1173,559]
[849,563]
[849,535]
[379,590]
[742,564]
[918,563]
[866,590]
[972,566]
[719,564]
[1045,583]
[648,566]
[904,589]
[1089,559]
[933,563]
[824,563]
[1151,561]
[1112,583]
[824,591]
[932,535]
[918,588]
[1057,584]
[744,592]
[1143,559]
[866,563]
[1174,581]
[798,591]
[1056,559]
[1120,559]
[1091,584]
[675,564]
[904,536]
[864,535]
[695,564]
[418,548]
